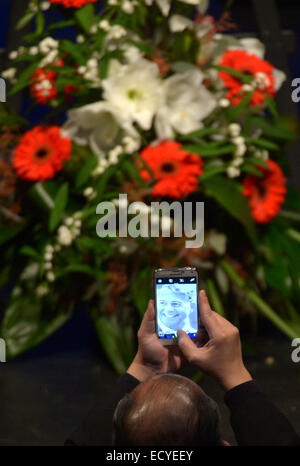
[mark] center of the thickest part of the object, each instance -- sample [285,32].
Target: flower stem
[264,308]
[44,195]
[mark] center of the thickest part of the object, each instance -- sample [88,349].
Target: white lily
[178,23]
[100,125]
[135,90]
[187,103]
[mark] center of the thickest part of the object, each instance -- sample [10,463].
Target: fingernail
[179,334]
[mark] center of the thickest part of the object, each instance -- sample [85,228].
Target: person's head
[173,306]
[167,409]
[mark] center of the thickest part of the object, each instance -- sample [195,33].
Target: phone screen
[176,306]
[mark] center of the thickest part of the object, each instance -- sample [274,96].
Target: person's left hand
[152,357]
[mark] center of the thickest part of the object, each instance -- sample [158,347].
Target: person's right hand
[221,356]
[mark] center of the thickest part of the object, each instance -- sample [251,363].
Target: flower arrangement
[158,100]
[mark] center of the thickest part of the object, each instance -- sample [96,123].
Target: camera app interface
[176,303]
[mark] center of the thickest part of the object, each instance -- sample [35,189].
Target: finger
[147,326]
[187,346]
[206,314]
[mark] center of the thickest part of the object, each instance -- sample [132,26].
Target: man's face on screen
[172,309]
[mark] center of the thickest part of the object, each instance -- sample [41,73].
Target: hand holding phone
[176,303]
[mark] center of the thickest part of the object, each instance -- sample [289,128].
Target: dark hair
[166,410]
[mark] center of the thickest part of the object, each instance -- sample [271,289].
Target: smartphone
[176,303]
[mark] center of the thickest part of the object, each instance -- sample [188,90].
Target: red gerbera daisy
[176,172]
[41,152]
[72,3]
[43,87]
[250,64]
[266,193]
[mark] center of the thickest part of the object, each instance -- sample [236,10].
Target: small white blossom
[247,87]
[50,276]
[130,144]
[10,73]
[93,29]
[80,39]
[104,24]
[234,129]
[238,140]
[64,236]
[33,51]
[233,172]
[42,290]
[30,271]
[45,6]
[48,265]
[69,221]
[128,7]
[49,248]
[262,80]
[240,150]
[13,55]
[224,103]
[48,256]
[237,162]
[89,192]
[82,69]
[116,32]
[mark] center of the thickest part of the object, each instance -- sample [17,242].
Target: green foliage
[227,193]
[60,203]
[28,320]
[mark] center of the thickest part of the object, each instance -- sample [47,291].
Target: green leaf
[209,151]
[40,23]
[261,142]
[214,297]
[60,203]
[227,193]
[245,78]
[209,173]
[85,172]
[9,232]
[132,171]
[61,24]
[279,130]
[30,252]
[80,268]
[244,103]
[250,169]
[23,79]
[85,17]
[73,50]
[25,20]
[27,322]
[108,332]
[199,133]
[141,289]
[285,326]
[271,105]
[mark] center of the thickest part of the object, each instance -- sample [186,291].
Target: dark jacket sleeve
[255,420]
[96,429]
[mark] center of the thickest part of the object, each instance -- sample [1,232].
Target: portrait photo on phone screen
[176,308]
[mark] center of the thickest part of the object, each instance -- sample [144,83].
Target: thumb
[187,346]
